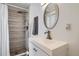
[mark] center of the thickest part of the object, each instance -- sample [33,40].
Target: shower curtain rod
[18,7]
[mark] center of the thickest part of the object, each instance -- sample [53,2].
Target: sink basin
[49,45]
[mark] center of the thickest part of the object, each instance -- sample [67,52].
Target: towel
[35,26]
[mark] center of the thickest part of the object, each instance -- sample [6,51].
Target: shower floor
[17,51]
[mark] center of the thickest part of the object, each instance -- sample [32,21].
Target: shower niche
[18,31]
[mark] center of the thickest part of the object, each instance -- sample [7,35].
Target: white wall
[0,32]
[34,10]
[68,14]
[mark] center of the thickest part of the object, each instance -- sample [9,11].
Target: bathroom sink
[48,45]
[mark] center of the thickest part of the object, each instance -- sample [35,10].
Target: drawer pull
[35,49]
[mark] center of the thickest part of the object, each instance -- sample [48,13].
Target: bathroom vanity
[45,47]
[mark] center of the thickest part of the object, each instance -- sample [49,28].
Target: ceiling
[22,5]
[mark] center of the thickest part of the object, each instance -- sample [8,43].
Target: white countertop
[47,44]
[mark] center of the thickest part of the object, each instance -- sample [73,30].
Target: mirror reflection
[51,15]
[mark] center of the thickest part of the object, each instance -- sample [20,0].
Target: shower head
[22,12]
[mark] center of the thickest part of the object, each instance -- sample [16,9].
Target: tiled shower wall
[16,32]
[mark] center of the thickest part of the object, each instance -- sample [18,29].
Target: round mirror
[51,15]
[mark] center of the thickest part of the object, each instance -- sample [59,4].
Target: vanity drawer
[36,51]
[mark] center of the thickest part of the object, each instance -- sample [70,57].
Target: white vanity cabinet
[36,51]
[45,47]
